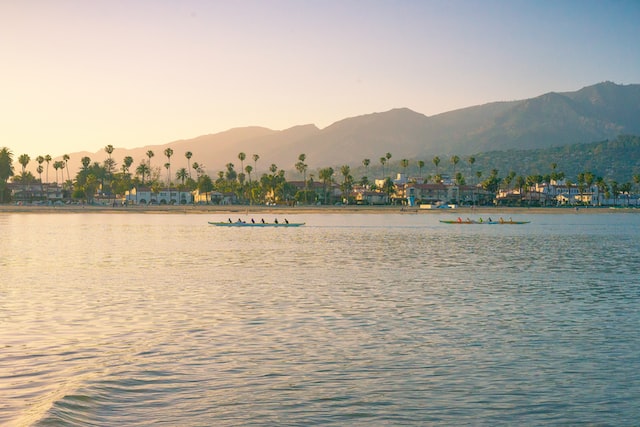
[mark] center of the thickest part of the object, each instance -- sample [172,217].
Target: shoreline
[346,209]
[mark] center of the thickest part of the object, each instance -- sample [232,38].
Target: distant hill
[595,113]
[616,159]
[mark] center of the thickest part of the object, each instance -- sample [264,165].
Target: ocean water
[391,319]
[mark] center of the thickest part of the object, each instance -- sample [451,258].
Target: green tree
[301,167]
[436,162]
[150,154]
[241,157]
[404,163]
[24,160]
[366,163]
[167,166]
[420,167]
[188,155]
[383,160]
[47,159]
[347,182]
[143,170]
[388,187]
[65,159]
[182,175]
[205,185]
[85,161]
[168,152]
[255,162]
[326,175]
[40,169]
[57,165]
[6,172]
[454,161]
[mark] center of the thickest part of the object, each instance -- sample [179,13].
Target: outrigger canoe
[483,222]
[257,224]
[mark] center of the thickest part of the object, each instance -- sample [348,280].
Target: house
[145,195]
[368,197]
[209,198]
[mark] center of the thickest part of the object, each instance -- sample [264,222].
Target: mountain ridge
[593,113]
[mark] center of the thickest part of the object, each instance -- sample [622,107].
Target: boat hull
[256,224]
[483,222]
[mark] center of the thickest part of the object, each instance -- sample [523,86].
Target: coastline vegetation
[97,181]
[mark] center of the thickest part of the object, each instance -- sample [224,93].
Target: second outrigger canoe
[454,221]
[257,224]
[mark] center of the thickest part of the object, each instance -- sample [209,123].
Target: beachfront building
[209,198]
[554,193]
[145,196]
[438,193]
[363,196]
[36,193]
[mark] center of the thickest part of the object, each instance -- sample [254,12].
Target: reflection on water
[353,319]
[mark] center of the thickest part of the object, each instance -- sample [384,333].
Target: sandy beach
[282,210]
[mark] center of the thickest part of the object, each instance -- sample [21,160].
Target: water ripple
[356,320]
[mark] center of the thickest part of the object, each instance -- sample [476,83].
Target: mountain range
[594,113]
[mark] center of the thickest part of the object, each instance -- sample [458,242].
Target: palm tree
[142,170]
[404,163]
[86,161]
[326,175]
[230,174]
[241,157]
[66,158]
[182,174]
[471,160]
[40,160]
[383,160]
[255,162]
[454,161]
[6,170]
[167,166]
[436,162]
[168,152]
[301,167]
[626,189]
[126,164]
[615,190]
[109,150]
[346,181]
[420,167]
[24,160]
[589,178]
[47,159]
[388,187]
[366,163]
[150,154]
[56,166]
[109,163]
[602,188]
[40,169]
[248,169]
[188,155]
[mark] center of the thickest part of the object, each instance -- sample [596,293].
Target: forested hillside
[617,159]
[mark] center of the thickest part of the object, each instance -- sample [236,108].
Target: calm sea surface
[391,319]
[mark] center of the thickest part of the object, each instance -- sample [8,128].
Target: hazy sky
[81,74]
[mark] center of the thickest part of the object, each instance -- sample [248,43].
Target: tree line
[110,179]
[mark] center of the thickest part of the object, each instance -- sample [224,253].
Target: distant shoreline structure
[308,210]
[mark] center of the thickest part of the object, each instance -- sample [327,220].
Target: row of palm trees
[94,176]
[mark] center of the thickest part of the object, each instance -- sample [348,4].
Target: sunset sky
[81,74]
